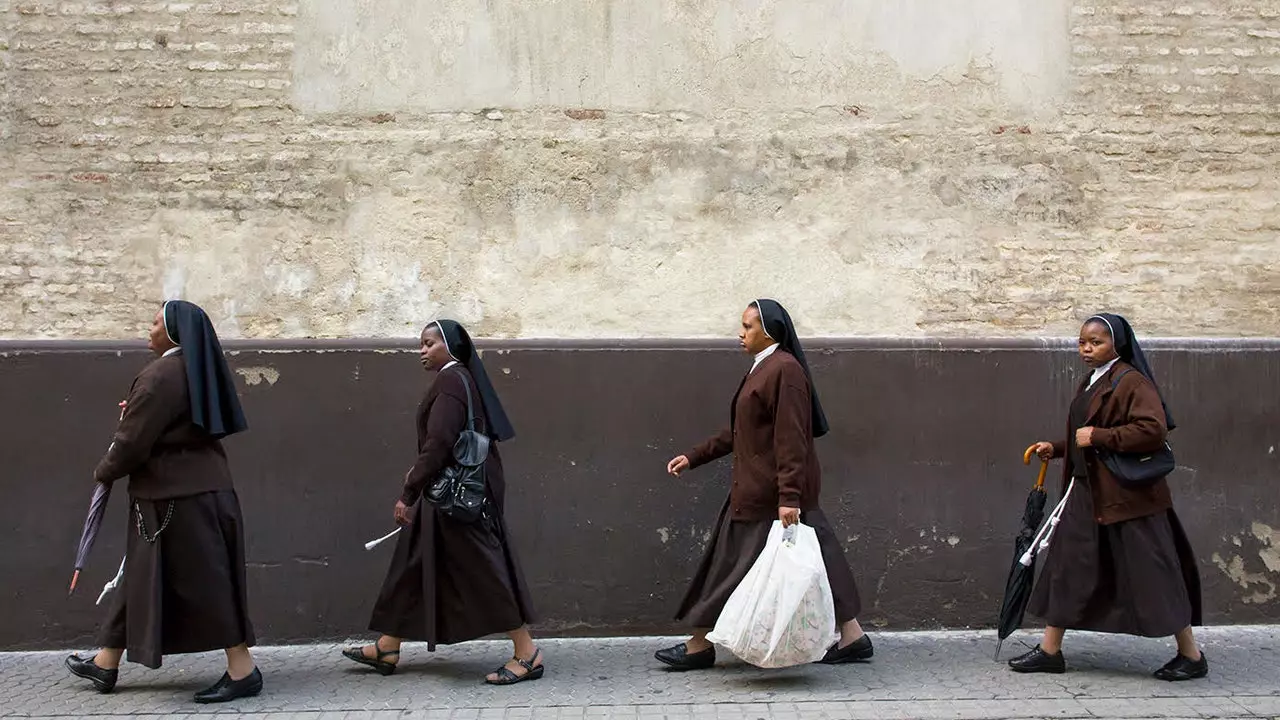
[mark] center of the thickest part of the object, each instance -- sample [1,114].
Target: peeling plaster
[255,375]
[1259,587]
[1270,539]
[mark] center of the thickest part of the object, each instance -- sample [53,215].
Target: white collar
[1097,374]
[172,351]
[760,356]
[448,365]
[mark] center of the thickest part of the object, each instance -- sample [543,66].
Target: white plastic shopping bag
[782,613]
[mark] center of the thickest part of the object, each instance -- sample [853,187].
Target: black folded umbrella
[1017,589]
[92,523]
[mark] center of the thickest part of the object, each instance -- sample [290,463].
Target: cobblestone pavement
[914,675]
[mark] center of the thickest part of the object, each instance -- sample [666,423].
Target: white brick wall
[158,148]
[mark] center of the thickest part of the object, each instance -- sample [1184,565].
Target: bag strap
[1116,383]
[471,414]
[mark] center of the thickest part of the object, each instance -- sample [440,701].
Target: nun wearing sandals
[183,589]
[449,581]
[1119,560]
[773,420]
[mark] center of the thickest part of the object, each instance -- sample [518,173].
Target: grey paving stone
[914,675]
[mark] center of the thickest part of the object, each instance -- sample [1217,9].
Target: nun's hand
[1084,437]
[402,514]
[678,464]
[789,516]
[1044,450]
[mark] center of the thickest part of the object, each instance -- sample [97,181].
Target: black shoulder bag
[1135,471]
[460,490]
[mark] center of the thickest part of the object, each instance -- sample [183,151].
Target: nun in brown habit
[184,579]
[450,582]
[1119,561]
[773,420]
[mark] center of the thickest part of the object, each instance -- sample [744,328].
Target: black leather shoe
[859,650]
[104,681]
[1184,668]
[227,689]
[1039,661]
[678,658]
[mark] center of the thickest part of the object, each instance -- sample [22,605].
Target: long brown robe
[1119,560]
[184,587]
[450,582]
[774,464]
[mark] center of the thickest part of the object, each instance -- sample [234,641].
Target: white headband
[445,338]
[1105,322]
[760,312]
[164,314]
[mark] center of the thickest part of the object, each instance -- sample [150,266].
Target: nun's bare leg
[1051,642]
[522,642]
[850,632]
[1187,647]
[698,642]
[108,658]
[239,662]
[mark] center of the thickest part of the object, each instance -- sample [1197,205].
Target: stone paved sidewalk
[914,675]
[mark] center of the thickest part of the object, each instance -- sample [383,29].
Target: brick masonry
[153,149]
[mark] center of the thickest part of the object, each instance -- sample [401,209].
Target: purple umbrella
[92,523]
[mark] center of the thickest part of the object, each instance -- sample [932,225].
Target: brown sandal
[506,677]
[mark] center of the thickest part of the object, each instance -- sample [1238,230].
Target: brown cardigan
[1128,419]
[774,463]
[164,454]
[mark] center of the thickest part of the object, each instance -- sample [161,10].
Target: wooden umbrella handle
[1044,466]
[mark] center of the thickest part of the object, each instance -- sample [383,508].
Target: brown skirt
[1137,577]
[451,582]
[185,592]
[734,548]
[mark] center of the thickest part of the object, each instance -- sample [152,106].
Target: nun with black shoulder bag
[1118,559]
[454,575]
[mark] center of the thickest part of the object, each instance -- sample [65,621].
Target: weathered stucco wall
[705,56]
[595,169]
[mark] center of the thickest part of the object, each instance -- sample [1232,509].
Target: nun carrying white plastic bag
[782,614]
[774,419]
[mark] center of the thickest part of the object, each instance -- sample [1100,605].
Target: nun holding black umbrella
[183,587]
[773,420]
[1118,560]
[454,578]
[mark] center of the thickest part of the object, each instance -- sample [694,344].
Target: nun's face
[752,337]
[1096,346]
[433,354]
[158,340]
